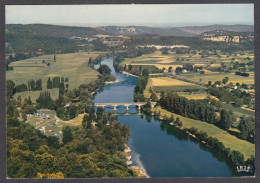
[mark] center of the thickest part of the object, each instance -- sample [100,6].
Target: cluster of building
[110,41]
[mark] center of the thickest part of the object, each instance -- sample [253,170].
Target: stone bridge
[126,104]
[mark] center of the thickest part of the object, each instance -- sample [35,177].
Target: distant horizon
[152,15]
[131,25]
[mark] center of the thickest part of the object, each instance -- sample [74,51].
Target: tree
[49,83]
[226,119]
[56,82]
[100,112]
[53,142]
[38,85]
[19,101]
[30,109]
[10,88]
[90,62]
[145,73]
[209,83]
[29,101]
[225,80]
[73,111]
[61,89]
[44,100]
[31,85]
[21,87]
[171,118]
[178,121]
[217,82]
[246,127]
[154,97]
[104,69]
[67,135]
[170,69]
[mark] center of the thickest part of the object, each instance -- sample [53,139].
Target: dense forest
[87,151]
[27,42]
[55,30]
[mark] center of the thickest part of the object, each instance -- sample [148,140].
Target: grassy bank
[229,141]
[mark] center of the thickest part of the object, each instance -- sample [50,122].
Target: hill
[54,30]
[227,36]
[200,29]
[140,30]
[28,42]
[187,31]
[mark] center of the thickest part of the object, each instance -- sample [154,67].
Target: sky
[169,15]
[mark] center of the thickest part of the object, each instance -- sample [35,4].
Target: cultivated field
[169,84]
[229,141]
[216,76]
[178,60]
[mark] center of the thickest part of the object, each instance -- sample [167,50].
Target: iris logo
[243,168]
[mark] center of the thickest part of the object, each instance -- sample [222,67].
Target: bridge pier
[126,108]
[114,108]
[139,108]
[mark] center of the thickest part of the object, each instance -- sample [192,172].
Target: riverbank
[111,82]
[229,141]
[137,170]
[129,74]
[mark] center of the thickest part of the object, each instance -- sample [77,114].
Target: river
[158,149]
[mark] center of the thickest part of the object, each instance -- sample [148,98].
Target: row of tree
[56,81]
[12,88]
[247,128]
[140,86]
[242,73]
[196,109]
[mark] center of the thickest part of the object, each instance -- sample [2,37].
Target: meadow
[216,76]
[168,84]
[73,66]
[35,94]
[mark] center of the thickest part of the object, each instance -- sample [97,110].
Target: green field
[229,141]
[159,84]
[218,77]
[71,65]
[177,88]
[35,94]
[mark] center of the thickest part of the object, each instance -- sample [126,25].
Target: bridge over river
[126,104]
